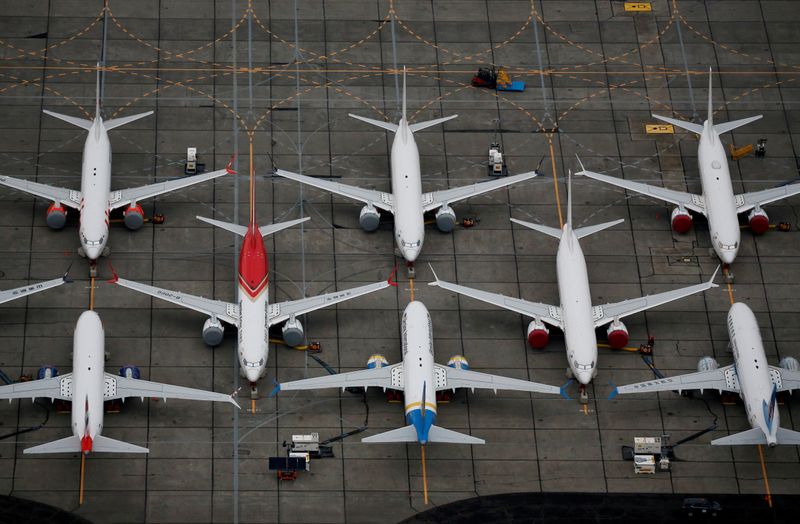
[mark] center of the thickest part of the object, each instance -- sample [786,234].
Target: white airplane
[88,386]
[717,200]
[95,200]
[750,376]
[406,202]
[419,377]
[252,314]
[30,289]
[576,316]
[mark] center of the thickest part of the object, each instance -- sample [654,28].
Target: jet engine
[377,361]
[130,372]
[445,219]
[707,364]
[789,364]
[538,334]
[47,372]
[213,330]
[681,220]
[134,217]
[56,216]
[759,221]
[458,362]
[369,219]
[617,335]
[292,332]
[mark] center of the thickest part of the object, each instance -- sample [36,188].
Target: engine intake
[681,220]
[292,332]
[130,372]
[617,335]
[56,216]
[789,364]
[707,364]
[458,362]
[377,361]
[134,217]
[213,331]
[538,334]
[759,221]
[445,219]
[47,372]
[369,219]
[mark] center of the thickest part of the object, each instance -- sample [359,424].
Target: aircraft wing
[463,378]
[378,199]
[616,310]
[747,201]
[721,379]
[680,198]
[277,313]
[59,387]
[547,313]
[789,380]
[390,377]
[124,387]
[224,311]
[437,199]
[125,197]
[30,289]
[68,197]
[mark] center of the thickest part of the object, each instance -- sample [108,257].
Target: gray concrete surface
[608,70]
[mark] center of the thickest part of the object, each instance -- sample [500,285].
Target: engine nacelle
[369,219]
[377,361]
[56,216]
[538,334]
[681,220]
[617,335]
[759,221]
[458,362]
[445,219]
[292,332]
[213,331]
[130,372]
[789,364]
[134,217]
[707,364]
[47,372]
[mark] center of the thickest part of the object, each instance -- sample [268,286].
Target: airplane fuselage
[718,196]
[95,188]
[88,377]
[752,369]
[409,226]
[253,345]
[576,307]
[418,369]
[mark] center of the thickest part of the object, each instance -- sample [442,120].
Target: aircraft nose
[410,254]
[253,374]
[584,377]
[727,256]
[92,252]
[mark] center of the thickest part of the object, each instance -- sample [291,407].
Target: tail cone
[86,444]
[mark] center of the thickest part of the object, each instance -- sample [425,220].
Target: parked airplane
[750,376]
[576,316]
[88,386]
[252,315]
[30,289]
[717,200]
[419,377]
[406,202]
[95,200]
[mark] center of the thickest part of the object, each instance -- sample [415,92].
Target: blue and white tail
[389,126]
[719,128]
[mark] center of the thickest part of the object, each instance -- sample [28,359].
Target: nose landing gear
[582,395]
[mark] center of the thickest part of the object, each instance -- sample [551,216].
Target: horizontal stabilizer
[237,229]
[733,124]
[788,437]
[379,123]
[547,230]
[439,434]
[689,126]
[406,434]
[419,126]
[590,230]
[109,445]
[745,438]
[117,122]
[75,121]
[280,226]
[65,445]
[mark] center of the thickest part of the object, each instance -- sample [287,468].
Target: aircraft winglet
[563,390]
[435,276]
[115,277]
[614,392]
[229,167]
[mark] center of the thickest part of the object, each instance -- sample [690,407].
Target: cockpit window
[253,364]
[411,244]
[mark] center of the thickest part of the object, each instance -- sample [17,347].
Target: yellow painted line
[83,471]
[585,409]
[253,406]
[730,285]
[764,474]
[411,288]
[424,477]
[638,7]
[91,294]
[659,129]
[555,181]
